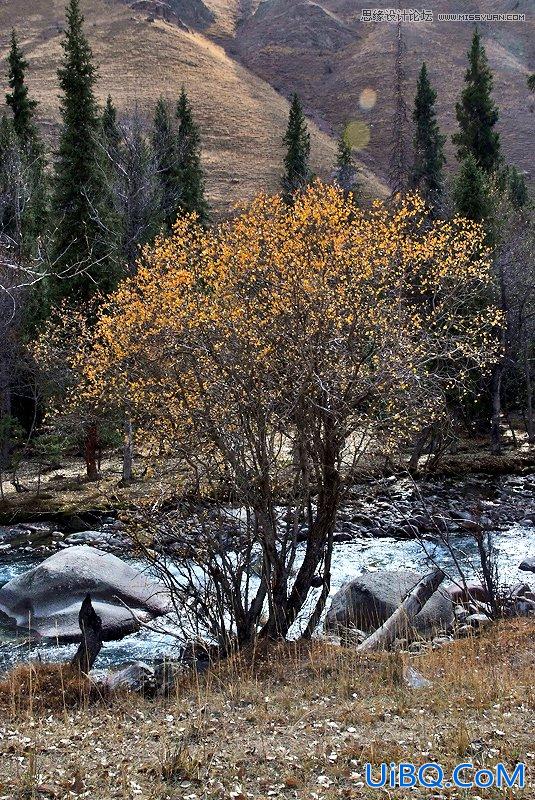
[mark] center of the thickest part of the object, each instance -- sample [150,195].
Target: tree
[83,249]
[398,154]
[346,171]
[165,146]
[427,175]
[21,105]
[136,189]
[32,199]
[477,113]
[110,127]
[297,173]
[192,198]
[531,83]
[472,191]
[292,349]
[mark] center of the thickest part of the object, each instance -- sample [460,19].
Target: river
[376,525]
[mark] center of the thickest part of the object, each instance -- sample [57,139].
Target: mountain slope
[142,56]
[323,51]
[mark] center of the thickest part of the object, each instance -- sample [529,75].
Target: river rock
[136,677]
[528,565]
[46,600]
[369,600]
[465,594]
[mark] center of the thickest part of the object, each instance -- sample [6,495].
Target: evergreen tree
[82,249]
[10,182]
[296,161]
[429,158]
[32,181]
[531,83]
[471,193]
[477,113]
[518,190]
[110,126]
[165,146]
[21,105]
[192,195]
[346,172]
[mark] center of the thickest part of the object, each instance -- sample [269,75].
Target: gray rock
[137,677]
[528,565]
[370,599]
[47,598]
[478,620]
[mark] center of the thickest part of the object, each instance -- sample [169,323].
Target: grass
[288,721]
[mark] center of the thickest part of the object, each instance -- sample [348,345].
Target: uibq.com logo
[433,776]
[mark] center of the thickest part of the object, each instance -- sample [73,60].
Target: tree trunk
[90,453]
[91,644]
[5,410]
[397,624]
[496,397]
[530,428]
[128,452]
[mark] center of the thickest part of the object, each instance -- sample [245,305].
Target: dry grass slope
[242,118]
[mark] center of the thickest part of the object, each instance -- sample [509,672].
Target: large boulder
[528,565]
[46,600]
[369,600]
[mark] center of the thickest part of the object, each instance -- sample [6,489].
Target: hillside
[242,118]
[323,51]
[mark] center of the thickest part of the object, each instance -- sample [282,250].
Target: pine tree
[471,193]
[477,113]
[346,172]
[165,146]
[429,158]
[192,194]
[398,166]
[296,161]
[83,253]
[517,188]
[32,189]
[21,105]
[110,126]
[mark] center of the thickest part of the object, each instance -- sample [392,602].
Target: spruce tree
[346,172]
[471,193]
[18,100]
[110,126]
[517,188]
[477,113]
[428,143]
[192,193]
[165,146]
[82,251]
[296,161]
[31,179]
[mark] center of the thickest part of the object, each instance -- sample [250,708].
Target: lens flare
[367,99]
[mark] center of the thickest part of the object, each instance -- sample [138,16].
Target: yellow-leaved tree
[274,353]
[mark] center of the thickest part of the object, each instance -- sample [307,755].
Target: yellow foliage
[370,315]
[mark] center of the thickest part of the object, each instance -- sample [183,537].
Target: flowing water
[508,502]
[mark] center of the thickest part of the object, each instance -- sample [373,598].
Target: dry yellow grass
[294,722]
[242,118]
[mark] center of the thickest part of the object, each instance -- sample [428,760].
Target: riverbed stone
[46,599]
[369,600]
[528,565]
